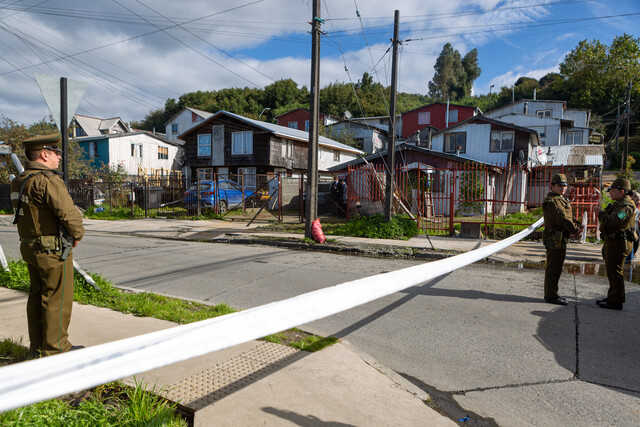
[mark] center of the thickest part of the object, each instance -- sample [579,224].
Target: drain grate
[210,385]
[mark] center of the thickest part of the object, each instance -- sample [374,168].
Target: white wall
[184,123]
[120,153]
[325,158]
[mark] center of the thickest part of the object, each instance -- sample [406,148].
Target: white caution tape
[33,381]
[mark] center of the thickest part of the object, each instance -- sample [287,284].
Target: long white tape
[33,381]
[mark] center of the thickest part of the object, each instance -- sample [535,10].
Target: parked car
[225,194]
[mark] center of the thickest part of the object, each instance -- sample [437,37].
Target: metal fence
[441,198]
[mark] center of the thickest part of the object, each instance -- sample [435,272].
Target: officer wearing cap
[43,205]
[618,234]
[559,225]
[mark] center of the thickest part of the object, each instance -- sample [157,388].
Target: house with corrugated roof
[184,120]
[92,126]
[230,144]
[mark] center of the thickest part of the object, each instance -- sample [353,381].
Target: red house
[436,116]
[299,119]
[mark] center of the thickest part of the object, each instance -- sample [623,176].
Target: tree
[471,69]
[454,75]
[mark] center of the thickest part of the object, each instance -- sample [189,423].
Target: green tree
[449,75]
[472,71]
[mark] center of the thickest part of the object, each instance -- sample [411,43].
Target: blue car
[226,194]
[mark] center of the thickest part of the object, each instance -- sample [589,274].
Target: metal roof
[576,155]
[281,131]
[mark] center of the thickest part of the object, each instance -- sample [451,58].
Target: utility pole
[391,147]
[627,112]
[311,205]
[64,130]
[617,125]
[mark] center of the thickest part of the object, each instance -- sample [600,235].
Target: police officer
[43,205]
[617,230]
[559,224]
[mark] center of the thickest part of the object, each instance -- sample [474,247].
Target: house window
[249,178]
[163,153]
[573,138]
[204,145]
[453,116]
[194,117]
[502,141]
[174,128]
[455,141]
[336,155]
[80,132]
[293,125]
[287,149]
[93,149]
[306,125]
[543,113]
[136,150]
[424,118]
[242,142]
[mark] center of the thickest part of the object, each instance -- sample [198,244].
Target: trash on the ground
[316,232]
[100,209]
[463,419]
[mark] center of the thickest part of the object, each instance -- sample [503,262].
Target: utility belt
[52,243]
[557,240]
[46,243]
[629,234]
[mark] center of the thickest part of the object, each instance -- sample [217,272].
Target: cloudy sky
[135,54]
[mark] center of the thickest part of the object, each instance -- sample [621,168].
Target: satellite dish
[347,114]
[540,155]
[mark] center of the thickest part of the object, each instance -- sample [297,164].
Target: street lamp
[490,87]
[265,109]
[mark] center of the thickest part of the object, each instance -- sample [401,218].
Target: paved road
[479,340]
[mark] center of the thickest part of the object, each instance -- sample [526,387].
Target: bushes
[375,227]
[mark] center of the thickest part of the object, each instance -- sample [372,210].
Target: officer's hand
[75,243]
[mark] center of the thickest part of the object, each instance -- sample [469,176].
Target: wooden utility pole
[311,204]
[391,146]
[64,130]
[627,112]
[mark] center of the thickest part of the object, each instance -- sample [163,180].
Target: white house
[370,139]
[93,126]
[140,152]
[184,120]
[556,124]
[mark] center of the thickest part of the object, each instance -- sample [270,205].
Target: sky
[136,54]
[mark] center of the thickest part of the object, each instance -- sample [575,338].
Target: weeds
[109,404]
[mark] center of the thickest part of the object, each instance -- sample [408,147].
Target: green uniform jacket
[558,216]
[617,217]
[45,205]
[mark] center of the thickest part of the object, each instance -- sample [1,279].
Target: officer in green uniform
[43,208]
[618,234]
[559,224]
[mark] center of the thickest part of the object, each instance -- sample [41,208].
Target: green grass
[301,340]
[113,404]
[139,304]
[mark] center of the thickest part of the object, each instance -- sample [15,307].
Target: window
[573,138]
[306,125]
[194,117]
[204,145]
[287,149]
[502,141]
[249,178]
[163,153]
[136,150]
[174,128]
[242,142]
[453,116]
[80,132]
[336,155]
[455,141]
[293,125]
[424,118]
[543,113]
[93,149]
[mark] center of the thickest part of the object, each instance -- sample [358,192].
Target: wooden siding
[438,117]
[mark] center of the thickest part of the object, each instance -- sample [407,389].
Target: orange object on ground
[316,231]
